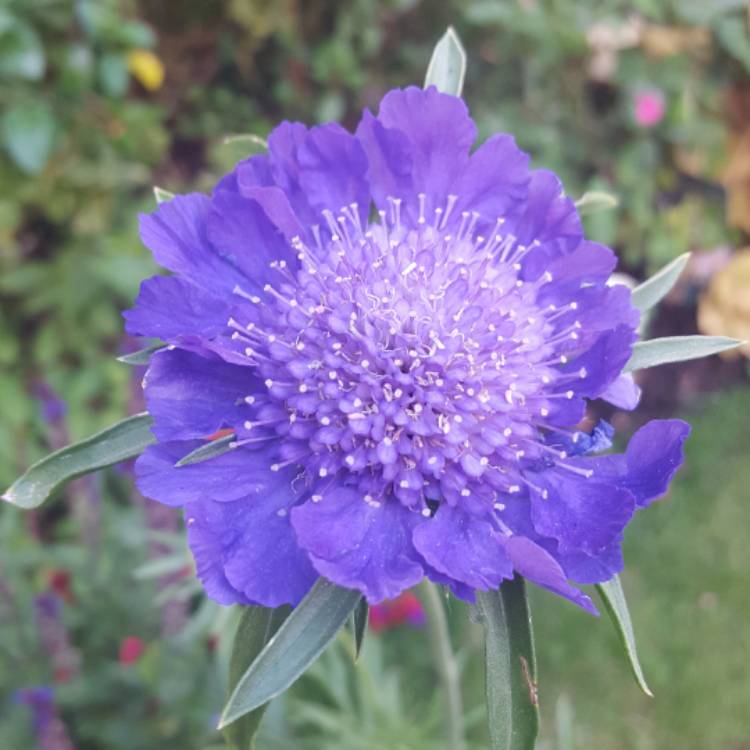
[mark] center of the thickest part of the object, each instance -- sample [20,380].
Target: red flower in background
[404,609]
[131,649]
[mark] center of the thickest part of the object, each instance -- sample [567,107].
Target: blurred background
[105,642]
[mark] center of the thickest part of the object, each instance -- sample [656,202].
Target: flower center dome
[408,358]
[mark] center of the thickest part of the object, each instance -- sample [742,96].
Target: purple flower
[403,335]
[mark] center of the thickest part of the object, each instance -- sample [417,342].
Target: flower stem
[447,666]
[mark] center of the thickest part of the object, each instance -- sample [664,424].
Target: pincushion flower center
[413,359]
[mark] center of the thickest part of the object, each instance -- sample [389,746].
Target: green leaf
[447,68]
[677,349]
[27,132]
[254,141]
[256,628]
[162,195]
[299,642]
[361,613]
[142,356]
[21,49]
[617,607]
[512,702]
[209,450]
[112,445]
[653,290]
[594,201]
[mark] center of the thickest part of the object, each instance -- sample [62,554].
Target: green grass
[688,584]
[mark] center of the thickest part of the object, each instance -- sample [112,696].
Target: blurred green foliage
[85,134]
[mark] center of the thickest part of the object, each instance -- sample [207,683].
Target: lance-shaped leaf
[511,690]
[447,68]
[596,200]
[256,628]
[653,290]
[308,630]
[359,620]
[676,349]
[119,442]
[617,606]
[255,141]
[162,195]
[142,356]
[209,450]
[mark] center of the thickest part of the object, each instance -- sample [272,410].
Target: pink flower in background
[131,649]
[405,608]
[649,107]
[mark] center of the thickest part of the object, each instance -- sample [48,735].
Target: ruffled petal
[653,456]
[624,392]
[239,473]
[176,235]
[247,240]
[467,548]
[190,396]
[360,545]
[254,541]
[536,564]
[173,310]
[437,133]
[583,568]
[582,513]
[496,179]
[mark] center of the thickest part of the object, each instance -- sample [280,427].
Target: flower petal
[254,541]
[464,547]
[236,474]
[191,396]
[624,392]
[358,544]
[536,564]
[582,513]
[173,309]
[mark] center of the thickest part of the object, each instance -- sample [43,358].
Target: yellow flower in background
[146,68]
[724,310]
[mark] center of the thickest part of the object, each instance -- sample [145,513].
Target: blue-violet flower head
[402,335]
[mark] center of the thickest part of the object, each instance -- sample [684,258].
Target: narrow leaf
[512,702]
[209,450]
[677,349]
[258,143]
[112,445]
[447,68]
[653,290]
[361,613]
[256,628]
[596,200]
[142,356]
[162,195]
[617,607]
[299,642]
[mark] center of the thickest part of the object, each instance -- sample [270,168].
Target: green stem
[445,661]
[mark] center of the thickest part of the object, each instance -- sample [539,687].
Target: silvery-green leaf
[209,450]
[258,143]
[361,613]
[511,689]
[162,195]
[653,290]
[117,443]
[617,607]
[303,637]
[677,349]
[256,628]
[141,357]
[447,68]
[596,200]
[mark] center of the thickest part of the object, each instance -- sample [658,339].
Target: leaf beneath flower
[142,356]
[303,637]
[209,450]
[512,701]
[677,349]
[617,607]
[117,443]
[653,290]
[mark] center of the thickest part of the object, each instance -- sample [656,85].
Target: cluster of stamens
[408,359]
